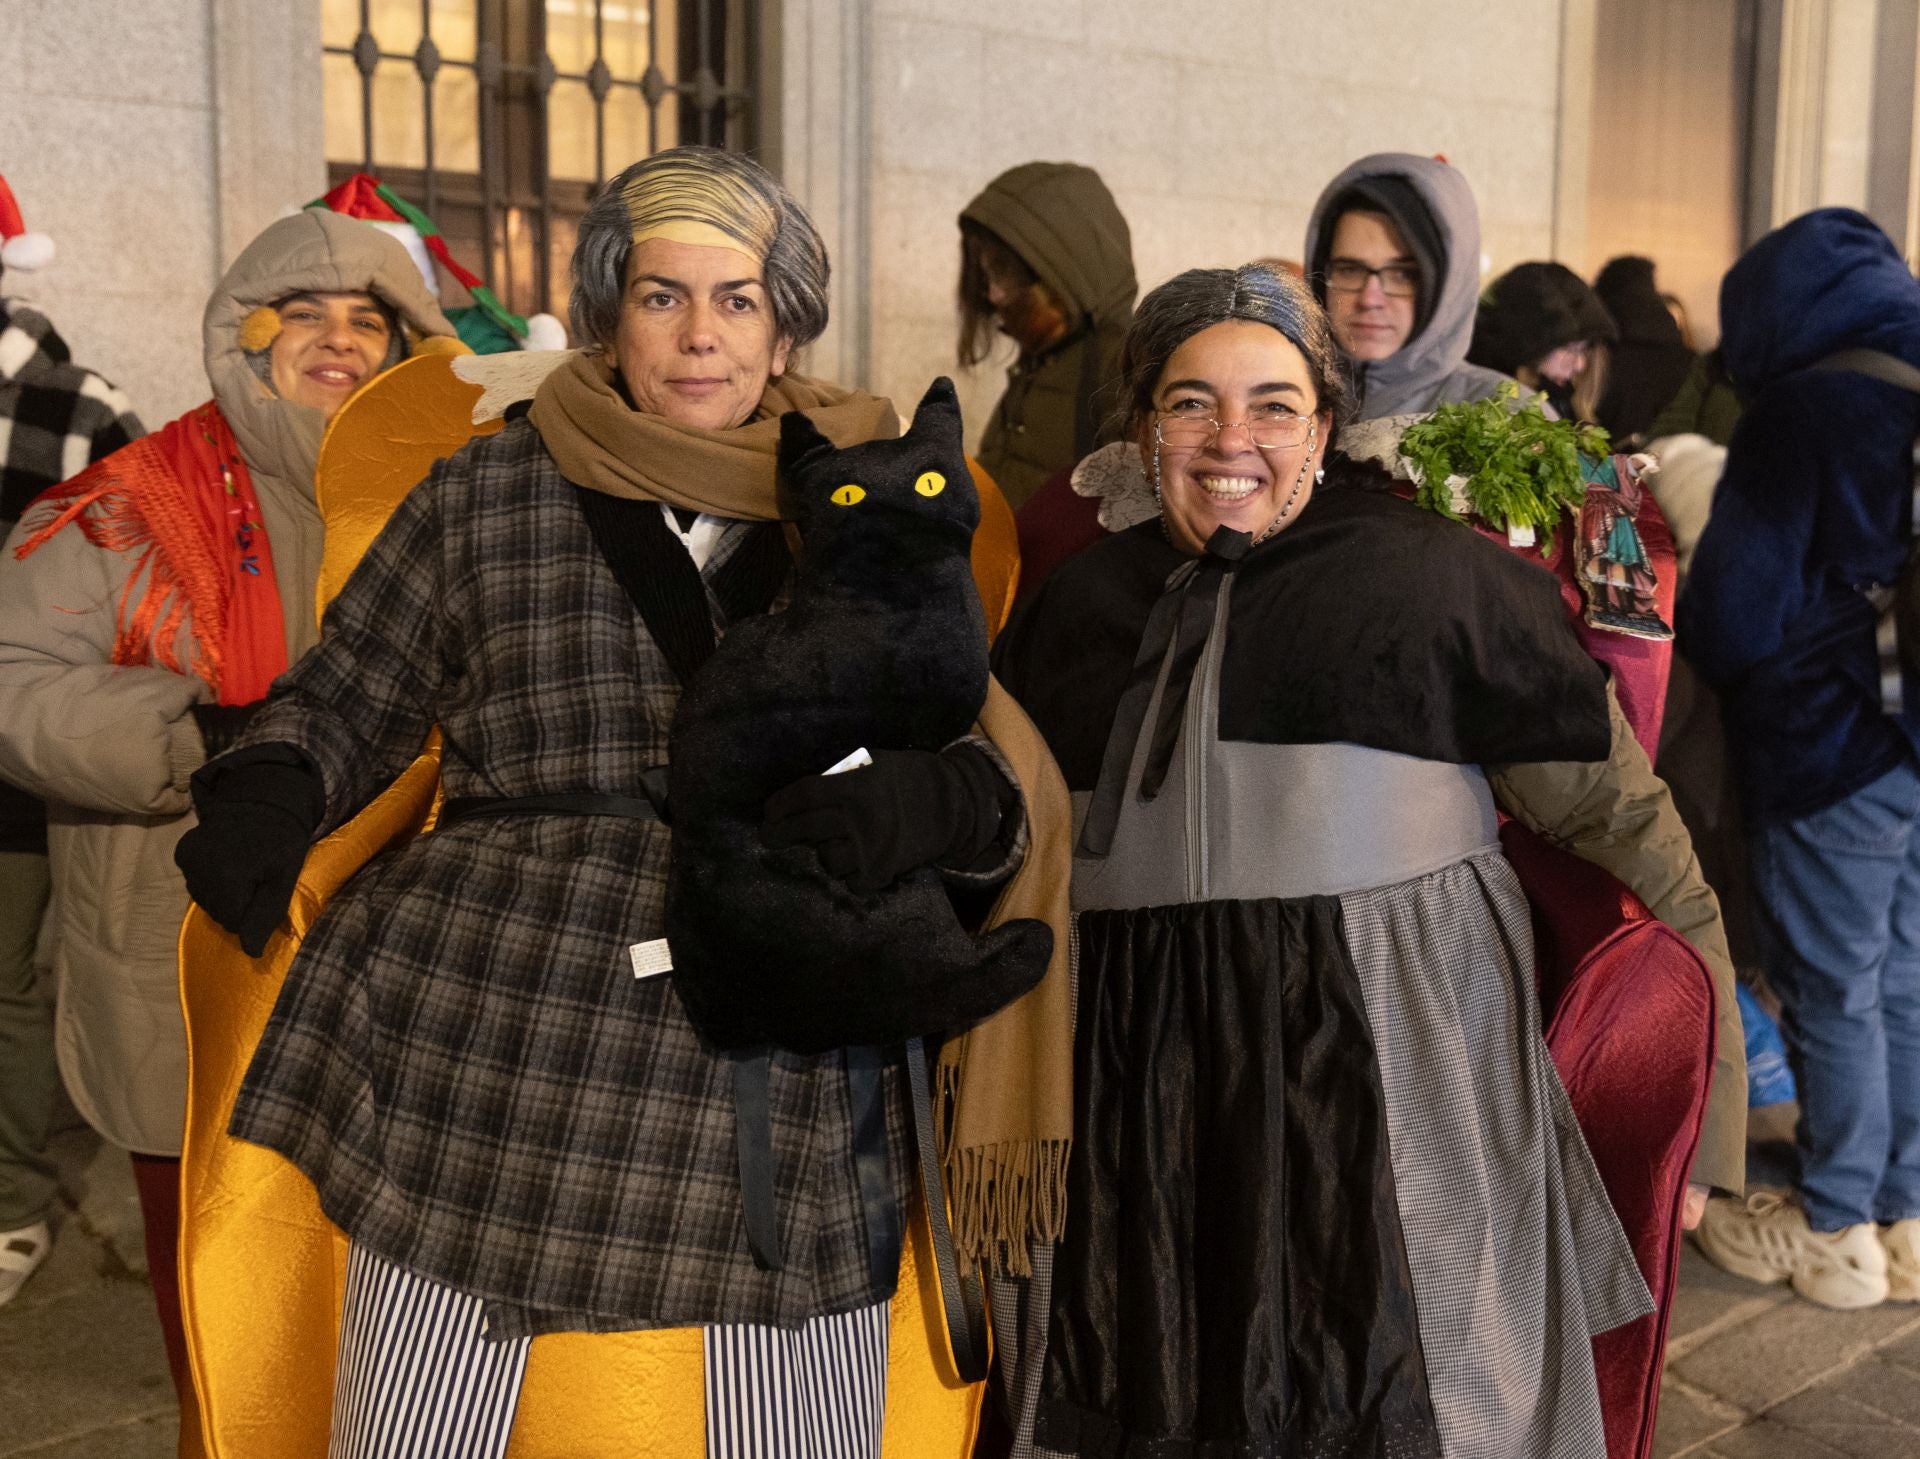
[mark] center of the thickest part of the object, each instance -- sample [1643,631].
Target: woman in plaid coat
[517,1133]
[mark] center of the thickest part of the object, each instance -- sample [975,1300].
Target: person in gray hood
[1393,252]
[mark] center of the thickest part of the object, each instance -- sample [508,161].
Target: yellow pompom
[259,329]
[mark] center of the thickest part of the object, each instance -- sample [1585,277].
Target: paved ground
[1752,1372]
[82,1372]
[1755,1373]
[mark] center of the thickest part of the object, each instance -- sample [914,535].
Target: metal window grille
[478,124]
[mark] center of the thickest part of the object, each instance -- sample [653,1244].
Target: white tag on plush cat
[650,959]
[858,759]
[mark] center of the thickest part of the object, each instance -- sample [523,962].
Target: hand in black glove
[221,725]
[243,859]
[908,809]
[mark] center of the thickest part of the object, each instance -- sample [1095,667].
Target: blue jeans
[1839,914]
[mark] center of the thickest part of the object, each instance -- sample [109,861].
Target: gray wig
[701,185]
[1201,298]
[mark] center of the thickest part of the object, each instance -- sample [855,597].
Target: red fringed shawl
[180,506]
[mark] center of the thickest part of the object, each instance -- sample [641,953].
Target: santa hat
[365,197]
[19,248]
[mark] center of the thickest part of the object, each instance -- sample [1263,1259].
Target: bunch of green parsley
[1520,468]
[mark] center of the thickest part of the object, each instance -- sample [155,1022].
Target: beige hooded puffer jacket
[111,747]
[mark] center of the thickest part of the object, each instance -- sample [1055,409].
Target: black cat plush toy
[883,647]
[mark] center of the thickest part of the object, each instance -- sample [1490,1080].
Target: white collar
[701,538]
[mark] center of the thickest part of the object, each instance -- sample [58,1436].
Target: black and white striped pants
[417,1379]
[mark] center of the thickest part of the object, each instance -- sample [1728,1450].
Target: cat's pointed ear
[799,439]
[937,416]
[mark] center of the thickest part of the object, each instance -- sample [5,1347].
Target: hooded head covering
[1062,221]
[1830,280]
[1532,310]
[1432,206]
[1625,287]
[311,252]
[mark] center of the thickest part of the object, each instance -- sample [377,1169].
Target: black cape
[1369,621]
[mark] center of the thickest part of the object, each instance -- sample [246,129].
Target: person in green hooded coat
[1046,259]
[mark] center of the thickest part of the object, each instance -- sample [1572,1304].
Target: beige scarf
[1004,1090]
[598,440]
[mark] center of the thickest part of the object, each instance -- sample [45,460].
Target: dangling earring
[1313,434]
[1320,476]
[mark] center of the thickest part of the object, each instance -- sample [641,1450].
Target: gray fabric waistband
[1289,821]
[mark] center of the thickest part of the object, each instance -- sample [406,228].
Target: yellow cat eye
[848,495]
[931,483]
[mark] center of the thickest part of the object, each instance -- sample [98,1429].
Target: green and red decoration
[489,326]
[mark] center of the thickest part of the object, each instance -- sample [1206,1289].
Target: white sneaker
[1902,1240]
[21,1253]
[1766,1238]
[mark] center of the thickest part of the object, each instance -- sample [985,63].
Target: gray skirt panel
[1517,1257]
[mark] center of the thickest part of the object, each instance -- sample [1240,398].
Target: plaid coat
[461,1059]
[56,419]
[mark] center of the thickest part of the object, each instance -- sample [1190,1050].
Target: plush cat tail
[937,416]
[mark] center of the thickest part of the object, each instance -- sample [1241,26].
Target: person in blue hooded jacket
[1815,510]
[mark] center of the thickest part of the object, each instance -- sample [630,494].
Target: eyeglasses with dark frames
[1349,276]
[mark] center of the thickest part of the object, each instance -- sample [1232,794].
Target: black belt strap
[965,1302]
[880,1212]
[753,1138]
[649,807]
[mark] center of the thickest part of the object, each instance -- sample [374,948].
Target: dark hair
[979,245]
[1201,298]
[794,271]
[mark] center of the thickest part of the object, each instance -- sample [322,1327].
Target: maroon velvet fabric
[1638,666]
[1054,524]
[1629,1012]
[156,1178]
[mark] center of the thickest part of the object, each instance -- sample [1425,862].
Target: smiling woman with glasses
[1324,1183]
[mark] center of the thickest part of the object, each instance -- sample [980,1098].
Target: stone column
[269,147]
[817,127]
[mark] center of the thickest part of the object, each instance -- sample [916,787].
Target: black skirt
[1233,1283]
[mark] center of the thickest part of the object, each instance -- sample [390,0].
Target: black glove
[220,725]
[908,809]
[242,861]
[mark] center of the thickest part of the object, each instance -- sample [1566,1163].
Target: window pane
[453,27]
[456,121]
[339,22]
[625,36]
[570,34]
[341,109]
[396,24]
[399,128]
[627,127]
[570,131]
[625,39]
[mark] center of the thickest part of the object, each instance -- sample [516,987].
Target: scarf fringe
[1000,1197]
[157,595]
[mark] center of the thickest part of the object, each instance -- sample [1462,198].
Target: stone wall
[1215,125]
[151,139]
